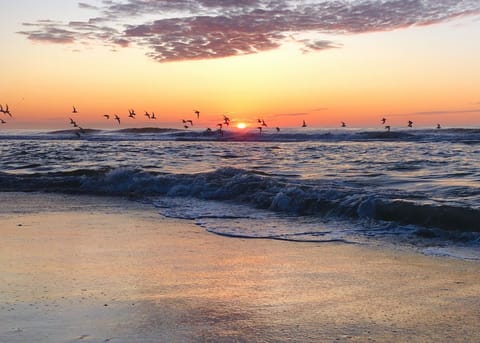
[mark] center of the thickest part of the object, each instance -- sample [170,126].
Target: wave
[257,190]
[460,135]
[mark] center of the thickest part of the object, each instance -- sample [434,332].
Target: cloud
[299,114]
[435,113]
[173,30]
[87,6]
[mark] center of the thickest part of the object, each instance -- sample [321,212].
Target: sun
[241,125]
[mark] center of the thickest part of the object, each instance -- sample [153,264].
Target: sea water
[410,188]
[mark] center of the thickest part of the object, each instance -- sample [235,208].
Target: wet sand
[88,269]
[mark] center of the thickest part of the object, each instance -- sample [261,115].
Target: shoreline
[98,269]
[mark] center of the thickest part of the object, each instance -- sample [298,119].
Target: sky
[283,61]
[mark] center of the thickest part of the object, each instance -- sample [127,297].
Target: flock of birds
[187,123]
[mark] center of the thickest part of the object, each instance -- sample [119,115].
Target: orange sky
[427,73]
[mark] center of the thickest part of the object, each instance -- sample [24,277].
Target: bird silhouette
[107,116]
[3,121]
[304,124]
[343,124]
[117,118]
[131,114]
[387,128]
[147,114]
[197,113]
[410,123]
[74,110]
[153,116]
[384,120]
[7,111]
[278,129]
[438,126]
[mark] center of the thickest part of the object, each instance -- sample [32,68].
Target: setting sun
[241,125]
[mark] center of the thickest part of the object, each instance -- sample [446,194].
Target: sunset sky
[284,61]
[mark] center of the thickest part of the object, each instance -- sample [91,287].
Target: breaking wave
[256,190]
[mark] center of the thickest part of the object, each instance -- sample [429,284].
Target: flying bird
[7,111]
[147,114]
[153,116]
[74,110]
[384,120]
[131,114]
[107,116]
[197,113]
[343,124]
[278,129]
[117,118]
[410,123]
[304,124]
[264,124]
[387,128]
[3,121]
[438,126]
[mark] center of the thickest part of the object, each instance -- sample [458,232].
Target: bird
[278,129]
[384,120]
[1,109]
[387,128]
[147,114]
[186,126]
[264,124]
[3,121]
[153,116]
[74,110]
[7,111]
[260,129]
[189,121]
[438,126]
[343,124]
[117,118]
[131,113]
[220,125]
[107,116]
[410,123]
[304,124]
[197,113]
[72,122]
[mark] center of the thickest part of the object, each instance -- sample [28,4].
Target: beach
[102,269]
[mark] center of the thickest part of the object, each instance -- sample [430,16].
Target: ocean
[408,189]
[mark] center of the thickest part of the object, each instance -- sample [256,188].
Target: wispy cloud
[298,114]
[173,30]
[435,113]
[87,6]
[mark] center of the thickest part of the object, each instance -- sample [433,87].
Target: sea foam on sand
[78,268]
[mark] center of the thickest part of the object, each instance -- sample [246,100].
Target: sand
[90,269]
